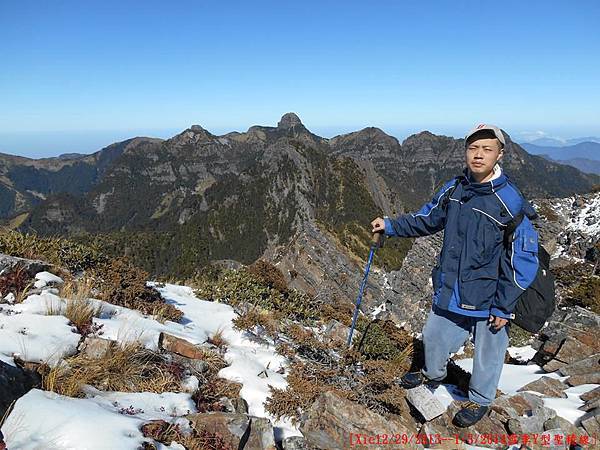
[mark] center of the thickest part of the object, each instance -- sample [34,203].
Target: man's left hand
[497,322]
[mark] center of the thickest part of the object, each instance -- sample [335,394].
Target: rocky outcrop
[336,423]
[236,431]
[14,383]
[549,387]
[8,263]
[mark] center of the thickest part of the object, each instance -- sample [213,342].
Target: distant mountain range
[179,203]
[585,155]
[552,142]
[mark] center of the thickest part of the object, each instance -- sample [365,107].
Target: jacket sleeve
[430,219]
[518,268]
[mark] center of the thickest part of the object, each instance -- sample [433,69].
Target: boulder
[562,424]
[180,346]
[555,439]
[521,404]
[553,365]
[574,322]
[333,422]
[582,366]
[573,350]
[96,348]
[550,387]
[591,422]
[487,426]
[592,404]
[526,425]
[591,395]
[14,383]
[238,431]
[32,266]
[586,378]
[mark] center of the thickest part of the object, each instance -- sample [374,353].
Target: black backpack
[537,303]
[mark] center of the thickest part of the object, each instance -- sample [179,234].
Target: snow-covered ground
[584,221]
[95,422]
[112,420]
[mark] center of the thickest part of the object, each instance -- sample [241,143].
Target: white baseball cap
[486,127]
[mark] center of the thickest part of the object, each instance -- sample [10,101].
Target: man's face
[482,154]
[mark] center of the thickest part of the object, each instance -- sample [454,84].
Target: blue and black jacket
[477,274]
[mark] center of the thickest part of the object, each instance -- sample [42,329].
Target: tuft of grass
[130,368]
[218,340]
[80,307]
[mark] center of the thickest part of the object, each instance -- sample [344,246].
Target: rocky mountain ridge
[280,193]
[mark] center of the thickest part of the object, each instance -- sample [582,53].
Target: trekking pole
[376,242]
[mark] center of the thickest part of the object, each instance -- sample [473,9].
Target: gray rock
[582,366]
[590,405]
[560,423]
[329,422]
[261,435]
[556,438]
[526,425]
[425,402]
[96,348]
[32,266]
[14,383]
[586,378]
[240,405]
[236,430]
[591,395]
[550,387]
[296,443]
[591,422]
[523,403]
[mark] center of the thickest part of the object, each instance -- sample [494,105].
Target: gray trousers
[445,332]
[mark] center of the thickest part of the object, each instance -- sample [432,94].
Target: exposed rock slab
[550,387]
[332,421]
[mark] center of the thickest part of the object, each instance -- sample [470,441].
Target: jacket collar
[497,181]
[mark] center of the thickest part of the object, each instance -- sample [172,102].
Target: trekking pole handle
[378,238]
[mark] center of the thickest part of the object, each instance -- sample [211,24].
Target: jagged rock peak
[198,129]
[289,120]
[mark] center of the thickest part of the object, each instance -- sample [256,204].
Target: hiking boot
[470,414]
[414,379]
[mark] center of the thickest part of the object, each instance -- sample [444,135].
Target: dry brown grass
[214,360]
[256,319]
[130,368]
[81,309]
[17,282]
[218,340]
[193,439]
[305,384]
[123,284]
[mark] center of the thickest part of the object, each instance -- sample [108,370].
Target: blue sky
[79,75]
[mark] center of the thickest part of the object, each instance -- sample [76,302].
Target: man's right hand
[378,225]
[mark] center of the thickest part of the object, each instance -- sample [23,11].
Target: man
[479,276]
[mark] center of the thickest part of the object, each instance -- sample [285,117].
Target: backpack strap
[525,211]
[449,193]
